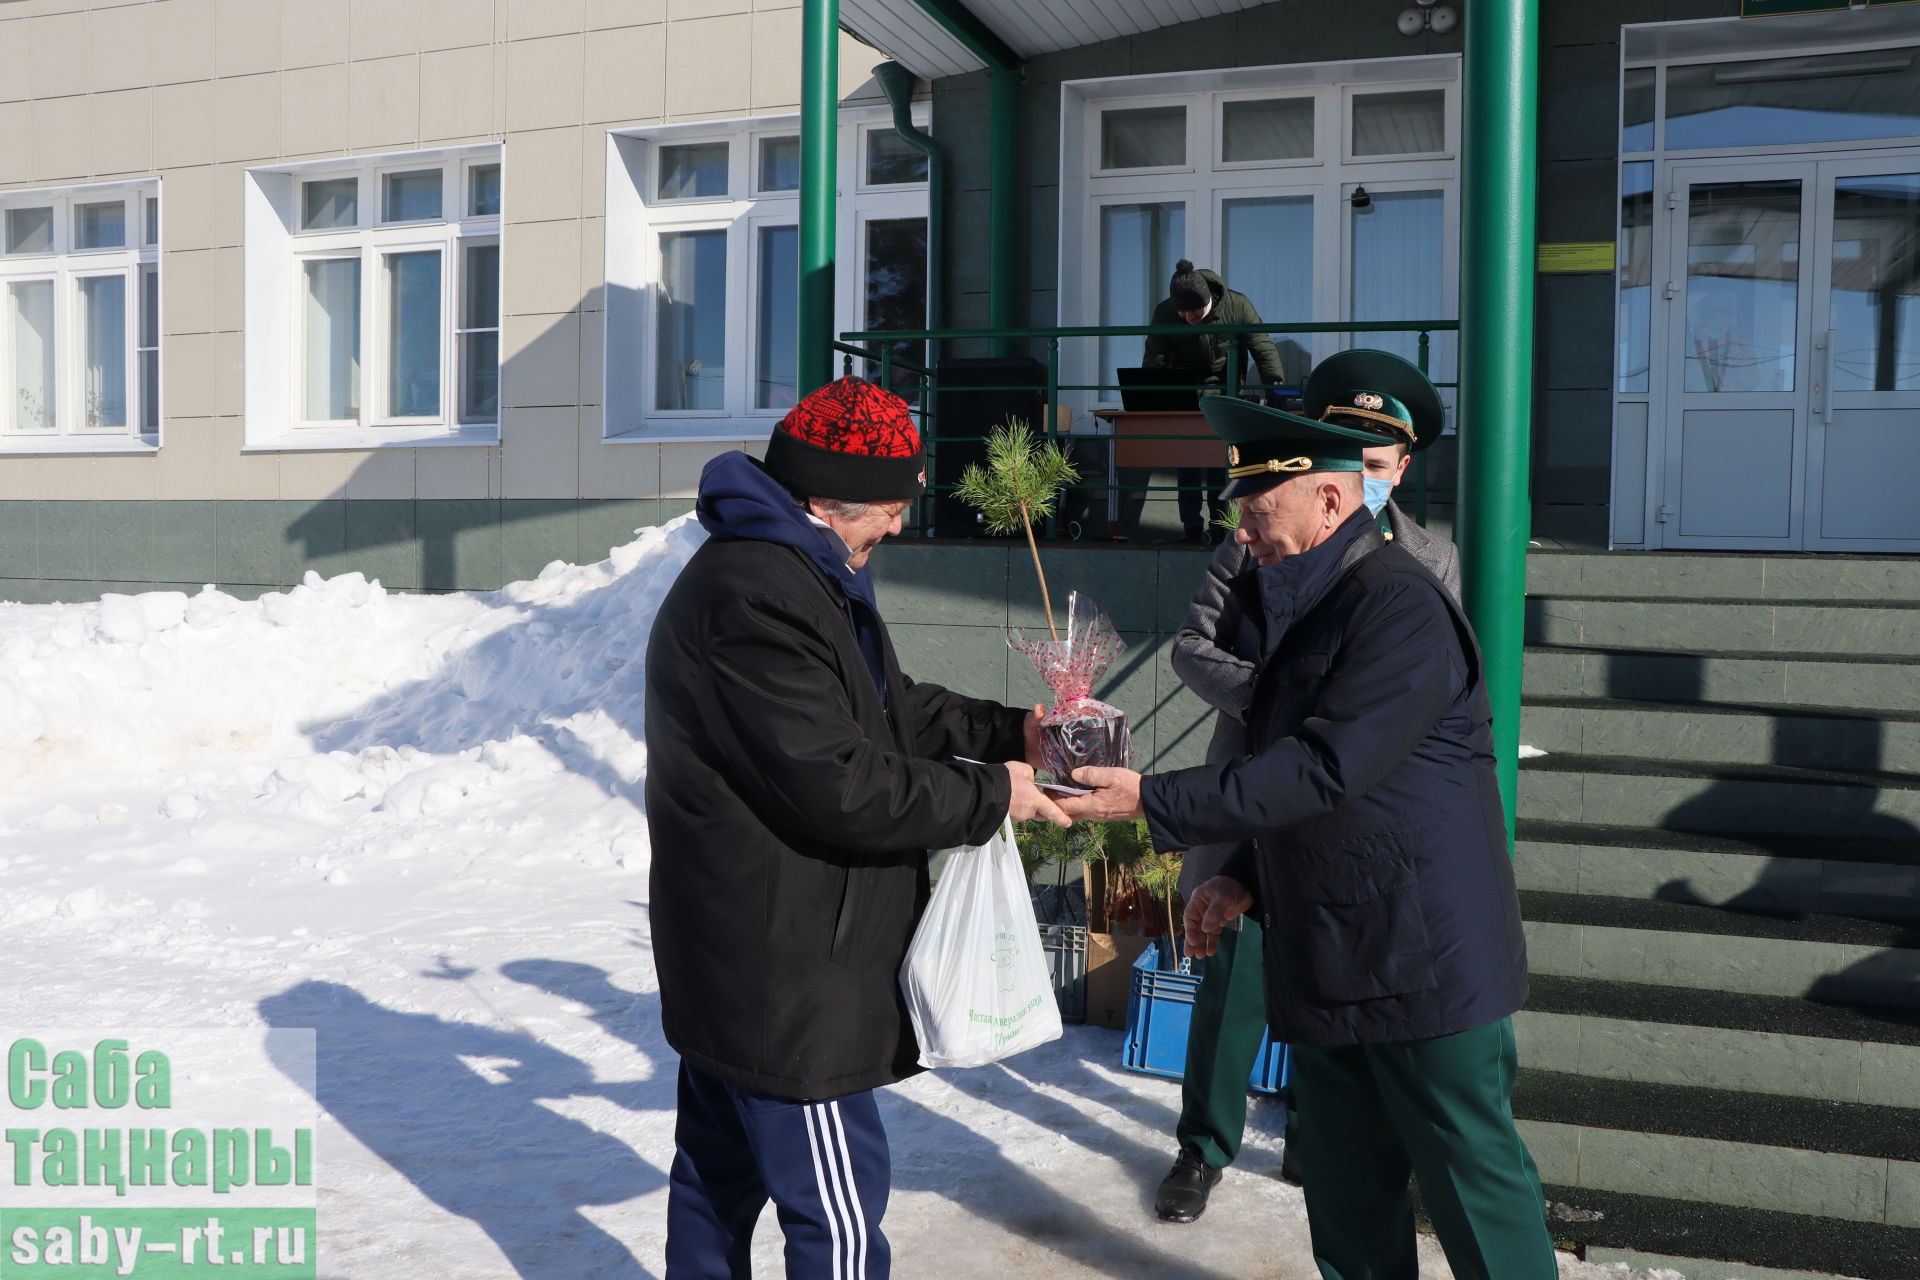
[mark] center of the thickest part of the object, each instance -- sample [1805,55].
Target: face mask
[1375,492]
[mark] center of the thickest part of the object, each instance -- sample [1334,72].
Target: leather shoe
[1183,1192]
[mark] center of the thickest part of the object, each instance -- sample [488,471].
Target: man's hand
[1029,801]
[1116,795]
[1033,734]
[1213,906]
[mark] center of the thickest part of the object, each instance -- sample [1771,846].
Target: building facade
[327,286]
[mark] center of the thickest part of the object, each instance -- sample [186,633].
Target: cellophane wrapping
[1078,729]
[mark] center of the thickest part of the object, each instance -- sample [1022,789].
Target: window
[390,268]
[1836,97]
[892,160]
[1263,129]
[1143,138]
[894,266]
[1139,243]
[1321,198]
[79,316]
[694,172]
[690,322]
[1407,123]
[780,164]
[703,254]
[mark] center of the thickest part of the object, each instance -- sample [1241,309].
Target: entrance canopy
[911,34]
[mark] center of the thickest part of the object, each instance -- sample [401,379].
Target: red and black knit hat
[849,440]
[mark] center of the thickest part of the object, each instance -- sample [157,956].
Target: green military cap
[1377,390]
[1267,446]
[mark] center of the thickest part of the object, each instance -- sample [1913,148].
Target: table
[1204,449]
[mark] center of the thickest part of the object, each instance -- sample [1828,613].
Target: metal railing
[877,348]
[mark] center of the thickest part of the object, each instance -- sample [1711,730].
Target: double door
[1790,341]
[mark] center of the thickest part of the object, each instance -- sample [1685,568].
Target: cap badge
[1233,455]
[1368,400]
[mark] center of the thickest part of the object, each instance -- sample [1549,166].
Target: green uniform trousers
[1439,1109]
[1229,1017]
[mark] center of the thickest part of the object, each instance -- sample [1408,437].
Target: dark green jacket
[1205,350]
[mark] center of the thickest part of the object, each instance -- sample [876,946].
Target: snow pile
[405,704]
[415,823]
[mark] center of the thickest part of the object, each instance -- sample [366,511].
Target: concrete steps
[1801,628]
[1816,875]
[1878,683]
[1719,861]
[1760,799]
[1726,733]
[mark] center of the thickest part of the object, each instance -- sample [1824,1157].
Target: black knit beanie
[1189,289]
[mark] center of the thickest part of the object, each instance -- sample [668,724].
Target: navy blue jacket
[1378,854]
[795,781]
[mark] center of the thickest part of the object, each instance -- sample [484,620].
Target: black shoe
[1289,1171]
[1183,1192]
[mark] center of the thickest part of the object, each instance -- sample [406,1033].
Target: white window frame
[1330,176]
[277,251]
[65,267]
[636,220]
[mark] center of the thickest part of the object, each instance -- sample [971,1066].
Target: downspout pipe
[1003,174]
[897,83]
[1496,353]
[819,183]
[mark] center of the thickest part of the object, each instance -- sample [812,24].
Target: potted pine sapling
[1019,483]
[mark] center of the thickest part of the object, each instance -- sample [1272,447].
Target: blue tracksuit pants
[824,1165]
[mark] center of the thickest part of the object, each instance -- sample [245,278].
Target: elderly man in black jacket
[796,781]
[1229,1008]
[1376,853]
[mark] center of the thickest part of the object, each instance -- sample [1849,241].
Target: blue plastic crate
[1158,1014]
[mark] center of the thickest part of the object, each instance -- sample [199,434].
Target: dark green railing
[877,348]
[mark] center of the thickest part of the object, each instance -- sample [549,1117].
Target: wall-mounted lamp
[1428,15]
[1360,199]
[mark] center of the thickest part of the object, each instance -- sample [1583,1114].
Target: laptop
[1147,390]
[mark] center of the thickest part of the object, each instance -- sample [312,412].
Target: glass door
[1792,341]
[1864,429]
[1737,337]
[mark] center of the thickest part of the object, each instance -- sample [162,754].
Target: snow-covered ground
[415,823]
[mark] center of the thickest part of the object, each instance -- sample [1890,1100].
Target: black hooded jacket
[794,786]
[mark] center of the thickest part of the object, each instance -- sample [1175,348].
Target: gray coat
[1205,661]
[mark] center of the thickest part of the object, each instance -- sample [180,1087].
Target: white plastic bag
[975,977]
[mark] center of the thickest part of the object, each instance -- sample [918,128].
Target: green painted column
[1494,517]
[819,125]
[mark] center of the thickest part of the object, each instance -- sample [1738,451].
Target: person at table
[1202,300]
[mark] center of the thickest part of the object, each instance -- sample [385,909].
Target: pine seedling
[1020,483]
